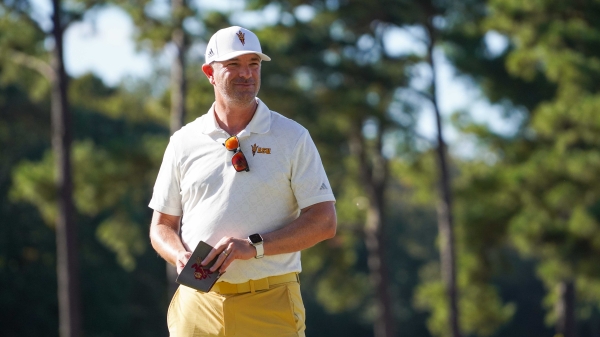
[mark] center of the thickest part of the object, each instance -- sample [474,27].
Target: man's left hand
[229,249]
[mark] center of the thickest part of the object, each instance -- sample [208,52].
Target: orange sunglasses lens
[239,162]
[232,143]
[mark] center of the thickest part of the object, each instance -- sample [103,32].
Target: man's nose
[245,72]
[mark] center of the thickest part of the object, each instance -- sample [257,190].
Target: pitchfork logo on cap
[240,36]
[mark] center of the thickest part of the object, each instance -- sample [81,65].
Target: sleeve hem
[165,209]
[315,200]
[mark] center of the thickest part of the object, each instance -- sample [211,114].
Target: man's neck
[234,118]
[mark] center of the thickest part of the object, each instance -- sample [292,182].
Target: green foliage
[116,159]
[123,237]
[549,190]
[34,183]
[26,246]
[20,34]
[534,191]
[104,182]
[482,311]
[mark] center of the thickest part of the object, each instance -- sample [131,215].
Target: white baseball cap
[231,42]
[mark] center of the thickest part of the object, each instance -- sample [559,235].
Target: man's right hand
[182,258]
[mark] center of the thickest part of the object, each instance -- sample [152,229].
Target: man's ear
[208,70]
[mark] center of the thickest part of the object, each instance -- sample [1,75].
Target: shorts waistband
[254,285]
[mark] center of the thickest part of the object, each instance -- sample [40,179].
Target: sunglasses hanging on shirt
[238,160]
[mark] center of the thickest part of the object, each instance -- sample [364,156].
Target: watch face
[255,238]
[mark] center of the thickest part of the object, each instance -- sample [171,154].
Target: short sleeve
[166,197]
[309,181]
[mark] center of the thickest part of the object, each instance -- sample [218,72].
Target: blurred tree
[26,250]
[116,157]
[429,12]
[54,72]
[66,231]
[179,39]
[548,71]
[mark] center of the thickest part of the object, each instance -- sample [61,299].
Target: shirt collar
[260,123]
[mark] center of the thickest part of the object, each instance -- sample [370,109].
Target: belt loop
[298,278]
[251,286]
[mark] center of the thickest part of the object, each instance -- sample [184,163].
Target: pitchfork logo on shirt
[256,149]
[200,273]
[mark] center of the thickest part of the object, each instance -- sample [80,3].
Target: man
[250,183]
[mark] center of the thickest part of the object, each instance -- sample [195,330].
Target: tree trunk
[178,94]
[178,83]
[444,205]
[66,232]
[373,178]
[378,271]
[565,309]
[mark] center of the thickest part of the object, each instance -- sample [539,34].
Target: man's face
[238,80]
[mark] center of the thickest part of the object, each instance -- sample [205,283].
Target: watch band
[260,250]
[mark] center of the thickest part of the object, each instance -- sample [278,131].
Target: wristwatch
[257,241]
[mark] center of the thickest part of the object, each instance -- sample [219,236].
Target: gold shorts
[277,311]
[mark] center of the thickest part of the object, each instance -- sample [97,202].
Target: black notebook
[196,276]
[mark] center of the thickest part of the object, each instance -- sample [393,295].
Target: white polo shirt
[197,180]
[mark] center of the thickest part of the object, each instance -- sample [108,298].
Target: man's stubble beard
[240,98]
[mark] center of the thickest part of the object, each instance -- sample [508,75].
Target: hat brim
[229,56]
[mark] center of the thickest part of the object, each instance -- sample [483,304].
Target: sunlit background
[516,89]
